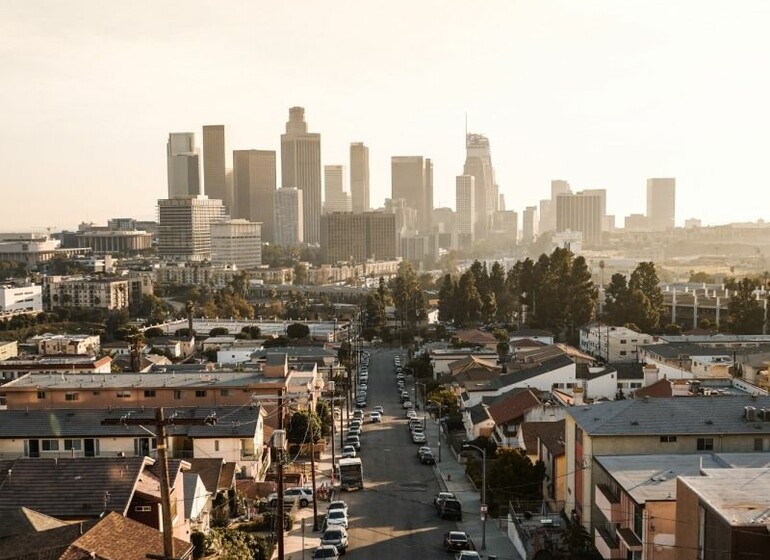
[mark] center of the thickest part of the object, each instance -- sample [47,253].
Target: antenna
[466,129]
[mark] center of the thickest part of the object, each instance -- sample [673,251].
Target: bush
[198,540]
[219,331]
[297,330]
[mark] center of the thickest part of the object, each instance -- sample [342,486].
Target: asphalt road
[393,517]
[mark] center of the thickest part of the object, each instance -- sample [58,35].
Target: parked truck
[351,473]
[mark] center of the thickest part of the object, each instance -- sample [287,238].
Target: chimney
[651,375]
[577,393]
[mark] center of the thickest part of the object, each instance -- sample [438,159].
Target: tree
[297,330]
[152,309]
[300,274]
[468,303]
[304,427]
[582,297]
[617,300]
[446,299]
[512,476]
[745,315]
[252,331]
[154,332]
[644,282]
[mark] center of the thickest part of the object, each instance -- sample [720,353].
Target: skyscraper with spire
[478,164]
[301,169]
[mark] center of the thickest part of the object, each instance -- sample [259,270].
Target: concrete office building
[184,227]
[548,206]
[20,299]
[359,177]
[301,169]
[349,237]
[289,220]
[478,164]
[254,178]
[465,189]
[581,212]
[215,167]
[336,198]
[661,203]
[236,243]
[412,181]
[182,165]
[529,225]
[506,223]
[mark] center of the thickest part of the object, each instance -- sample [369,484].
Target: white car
[418,437]
[338,504]
[379,409]
[407,404]
[375,417]
[348,452]
[411,413]
[337,517]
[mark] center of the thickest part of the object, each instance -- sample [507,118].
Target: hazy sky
[603,94]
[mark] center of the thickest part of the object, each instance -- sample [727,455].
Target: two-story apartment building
[70,344]
[613,344]
[14,368]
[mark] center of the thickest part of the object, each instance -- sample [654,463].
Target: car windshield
[336,514]
[332,534]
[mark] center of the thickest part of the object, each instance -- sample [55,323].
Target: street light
[483,491]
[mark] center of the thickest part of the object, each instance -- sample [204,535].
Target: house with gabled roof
[508,412]
[477,337]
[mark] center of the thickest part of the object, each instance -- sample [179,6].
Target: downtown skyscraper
[301,169]
[215,183]
[478,164]
[412,181]
[661,203]
[254,178]
[182,164]
[359,177]
[336,198]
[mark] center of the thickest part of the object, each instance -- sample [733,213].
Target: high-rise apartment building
[182,165]
[529,225]
[254,177]
[478,164]
[301,169]
[236,243]
[465,187]
[661,203]
[184,227]
[336,199]
[289,221]
[412,181]
[602,194]
[214,165]
[581,212]
[347,237]
[359,177]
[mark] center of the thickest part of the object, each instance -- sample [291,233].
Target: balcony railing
[608,503]
[606,544]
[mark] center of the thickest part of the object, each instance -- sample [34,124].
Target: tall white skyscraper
[661,203]
[301,169]
[466,207]
[182,164]
[478,163]
[336,198]
[359,177]
[214,166]
[289,219]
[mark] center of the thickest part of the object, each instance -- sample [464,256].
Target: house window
[49,444]
[178,395]
[70,396]
[667,439]
[124,394]
[200,393]
[623,341]
[143,508]
[216,445]
[759,444]
[72,445]
[40,395]
[150,393]
[705,444]
[623,352]
[224,392]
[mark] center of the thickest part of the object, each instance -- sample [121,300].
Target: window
[143,508]
[150,393]
[124,394]
[72,445]
[216,445]
[705,444]
[49,444]
[623,341]
[200,393]
[623,352]
[667,439]
[224,392]
[40,395]
[178,395]
[759,444]
[70,396]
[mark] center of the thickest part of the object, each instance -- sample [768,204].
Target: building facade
[336,197]
[301,169]
[529,225]
[184,227]
[183,165]
[289,217]
[215,167]
[465,187]
[254,179]
[85,293]
[478,164]
[412,181]
[20,299]
[236,243]
[349,237]
[359,177]
[581,212]
[661,203]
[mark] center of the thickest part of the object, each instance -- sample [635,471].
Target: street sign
[483,509]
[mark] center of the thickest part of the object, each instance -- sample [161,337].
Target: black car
[427,459]
[455,541]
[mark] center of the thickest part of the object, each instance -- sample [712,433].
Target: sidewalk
[452,476]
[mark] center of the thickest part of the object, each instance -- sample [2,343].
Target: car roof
[457,534]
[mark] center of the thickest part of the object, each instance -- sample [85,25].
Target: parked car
[418,437]
[427,459]
[353,440]
[423,449]
[337,517]
[302,496]
[407,404]
[336,536]
[326,551]
[338,504]
[348,452]
[442,496]
[375,417]
[451,508]
[354,431]
[358,414]
[411,413]
[467,555]
[379,409]
[457,540]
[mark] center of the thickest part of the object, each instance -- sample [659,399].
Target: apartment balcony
[608,503]
[606,544]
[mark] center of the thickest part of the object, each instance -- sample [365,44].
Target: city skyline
[603,95]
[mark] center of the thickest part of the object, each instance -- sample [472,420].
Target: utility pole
[279,456]
[160,422]
[312,464]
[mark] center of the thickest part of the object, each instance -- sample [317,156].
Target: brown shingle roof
[661,388]
[118,538]
[513,406]
[20,520]
[209,469]
[551,434]
[45,545]
[476,336]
